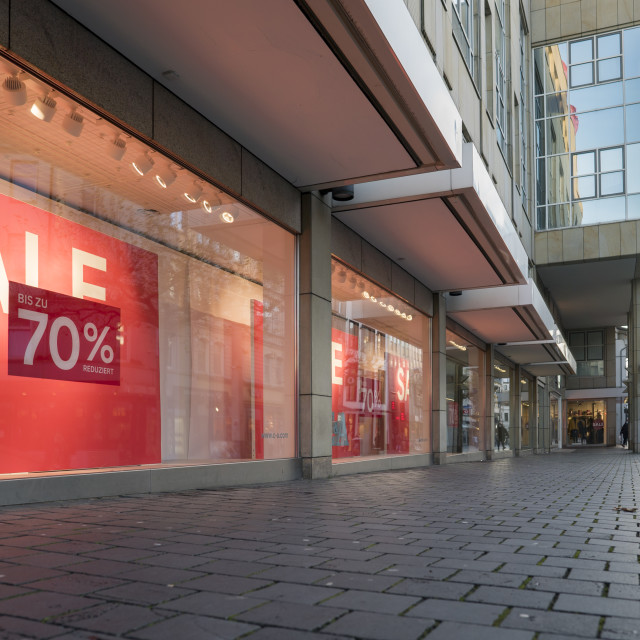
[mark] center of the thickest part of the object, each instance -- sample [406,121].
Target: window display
[146,317]
[380,370]
[465,395]
[503,438]
[586,422]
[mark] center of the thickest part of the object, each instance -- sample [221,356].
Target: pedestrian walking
[624,432]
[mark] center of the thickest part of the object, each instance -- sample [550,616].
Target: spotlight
[15,90]
[227,216]
[44,108]
[166,177]
[143,164]
[117,148]
[193,195]
[207,206]
[73,123]
[342,194]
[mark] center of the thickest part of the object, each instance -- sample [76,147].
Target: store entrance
[586,423]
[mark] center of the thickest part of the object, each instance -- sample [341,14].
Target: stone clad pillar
[634,363]
[315,338]
[439,380]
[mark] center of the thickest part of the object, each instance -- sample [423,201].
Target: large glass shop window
[502,423]
[465,395]
[380,370]
[586,422]
[146,317]
[526,413]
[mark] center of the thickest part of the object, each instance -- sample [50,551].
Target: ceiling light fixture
[193,195]
[227,216]
[342,194]
[206,206]
[117,148]
[44,108]
[73,123]
[166,177]
[142,164]
[15,90]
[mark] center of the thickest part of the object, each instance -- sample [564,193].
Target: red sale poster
[79,367]
[344,393]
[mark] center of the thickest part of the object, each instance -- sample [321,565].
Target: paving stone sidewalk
[533,548]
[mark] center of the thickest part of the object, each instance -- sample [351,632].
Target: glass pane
[540,137]
[541,222]
[603,210]
[632,53]
[581,51]
[558,137]
[597,97]
[611,159]
[576,340]
[559,216]
[633,168]
[610,69]
[633,207]
[595,129]
[557,104]
[558,179]
[594,338]
[631,90]
[609,45]
[539,106]
[584,187]
[539,72]
[582,74]
[633,122]
[584,163]
[611,183]
[595,353]
[541,190]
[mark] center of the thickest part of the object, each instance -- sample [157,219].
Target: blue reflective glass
[632,53]
[633,168]
[595,129]
[609,45]
[610,69]
[633,122]
[633,207]
[581,51]
[597,97]
[582,74]
[631,90]
[603,210]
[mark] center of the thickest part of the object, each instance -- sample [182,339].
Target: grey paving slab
[454,611]
[585,626]
[291,615]
[461,631]
[376,626]
[190,627]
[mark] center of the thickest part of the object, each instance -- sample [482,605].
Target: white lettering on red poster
[61,337]
[79,345]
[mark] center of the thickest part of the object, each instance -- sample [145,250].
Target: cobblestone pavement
[528,548]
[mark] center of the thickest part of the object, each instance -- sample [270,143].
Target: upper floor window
[587,130]
[464,31]
[502,67]
[524,96]
[587,348]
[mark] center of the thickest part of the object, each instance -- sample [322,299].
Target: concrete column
[439,390]
[542,403]
[490,422]
[634,364]
[516,412]
[315,338]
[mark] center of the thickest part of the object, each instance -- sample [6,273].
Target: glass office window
[589,107]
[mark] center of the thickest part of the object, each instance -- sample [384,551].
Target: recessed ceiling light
[166,177]
[227,216]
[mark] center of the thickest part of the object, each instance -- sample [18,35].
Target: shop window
[464,395]
[586,422]
[380,371]
[502,385]
[140,305]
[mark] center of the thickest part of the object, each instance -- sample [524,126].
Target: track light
[44,108]
[193,195]
[73,123]
[142,164]
[117,148]
[207,206]
[227,216]
[15,90]
[166,177]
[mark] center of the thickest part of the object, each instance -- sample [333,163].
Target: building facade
[262,241]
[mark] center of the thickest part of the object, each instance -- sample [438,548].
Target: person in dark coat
[624,432]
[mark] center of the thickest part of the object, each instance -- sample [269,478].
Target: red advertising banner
[55,413]
[62,338]
[257,378]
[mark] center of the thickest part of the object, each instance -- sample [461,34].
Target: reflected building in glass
[587,127]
